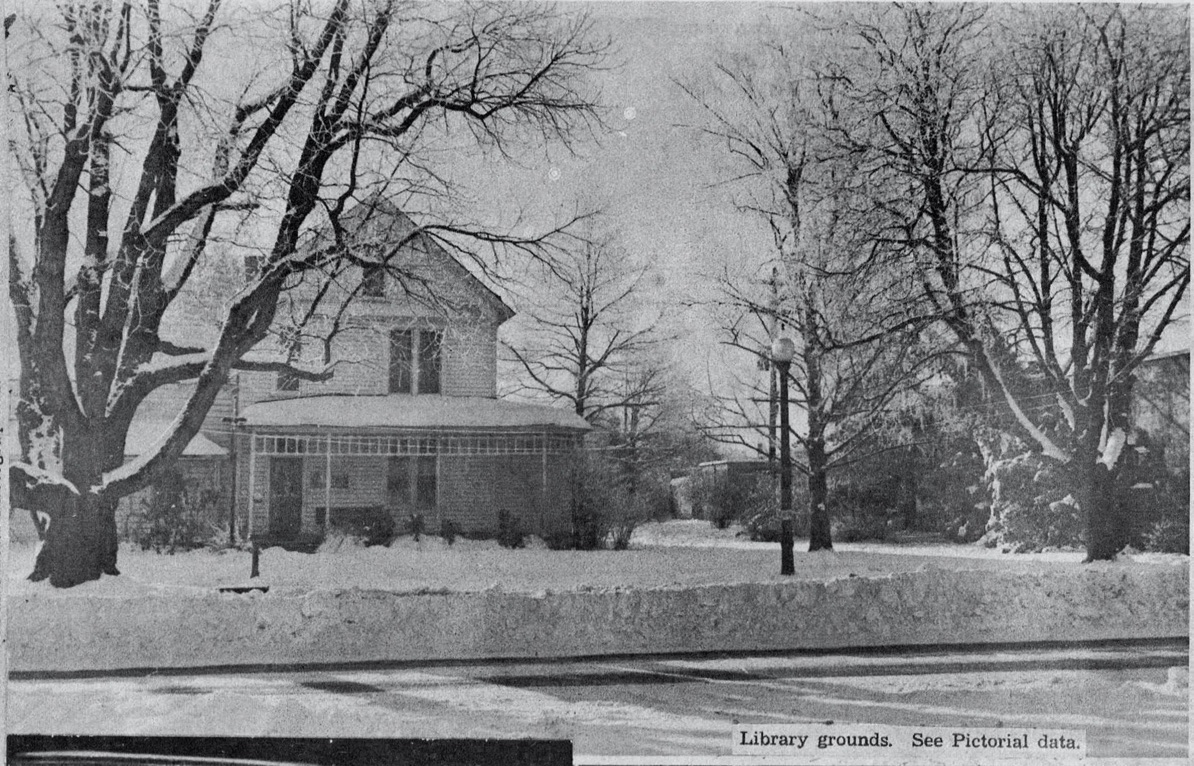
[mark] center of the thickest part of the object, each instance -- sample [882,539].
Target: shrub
[510,534]
[760,519]
[620,534]
[623,514]
[176,517]
[969,526]
[862,502]
[953,495]
[724,500]
[857,529]
[1170,535]
[588,527]
[654,497]
[1152,497]
[449,530]
[371,526]
[1031,507]
[605,512]
[416,525]
[559,540]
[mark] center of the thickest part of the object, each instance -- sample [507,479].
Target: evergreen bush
[176,517]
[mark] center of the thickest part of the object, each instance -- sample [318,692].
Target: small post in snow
[255,571]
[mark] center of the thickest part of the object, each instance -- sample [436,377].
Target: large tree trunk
[80,542]
[820,537]
[1106,535]
[1096,479]
[819,534]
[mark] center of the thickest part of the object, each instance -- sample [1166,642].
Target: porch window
[318,480]
[425,482]
[411,483]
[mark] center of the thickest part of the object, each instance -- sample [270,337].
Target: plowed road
[1131,698]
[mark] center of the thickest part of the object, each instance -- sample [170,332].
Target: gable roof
[376,219]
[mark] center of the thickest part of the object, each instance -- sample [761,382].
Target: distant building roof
[144,434]
[423,411]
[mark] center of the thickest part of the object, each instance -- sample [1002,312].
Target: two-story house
[409,423]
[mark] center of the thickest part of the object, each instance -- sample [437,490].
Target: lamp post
[236,423]
[782,352]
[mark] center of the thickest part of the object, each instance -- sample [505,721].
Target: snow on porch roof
[408,411]
[144,434]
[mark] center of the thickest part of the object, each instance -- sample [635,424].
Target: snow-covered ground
[684,587]
[671,554]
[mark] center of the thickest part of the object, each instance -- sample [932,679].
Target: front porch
[302,485]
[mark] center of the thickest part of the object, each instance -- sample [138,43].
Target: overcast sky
[649,170]
[654,175]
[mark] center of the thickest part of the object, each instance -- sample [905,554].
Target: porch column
[252,483]
[543,491]
[327,487]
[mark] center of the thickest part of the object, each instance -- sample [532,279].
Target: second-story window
[373,282]
[429,361]
[401,362]
[415,361]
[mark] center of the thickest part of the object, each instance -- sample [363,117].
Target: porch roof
[406,411]
[146,433]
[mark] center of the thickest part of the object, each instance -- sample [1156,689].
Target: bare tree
[654,431]
[589,332]
[135,150]
[833,286]
[1048,196]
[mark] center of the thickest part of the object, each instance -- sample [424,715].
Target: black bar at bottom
[70,751]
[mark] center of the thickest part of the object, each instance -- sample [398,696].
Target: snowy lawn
[684,587]
[669,554]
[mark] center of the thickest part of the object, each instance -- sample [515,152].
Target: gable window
[415,361]
[373,282]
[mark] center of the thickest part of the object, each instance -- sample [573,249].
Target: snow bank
[145,625]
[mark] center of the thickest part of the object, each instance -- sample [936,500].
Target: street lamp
[782,352]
